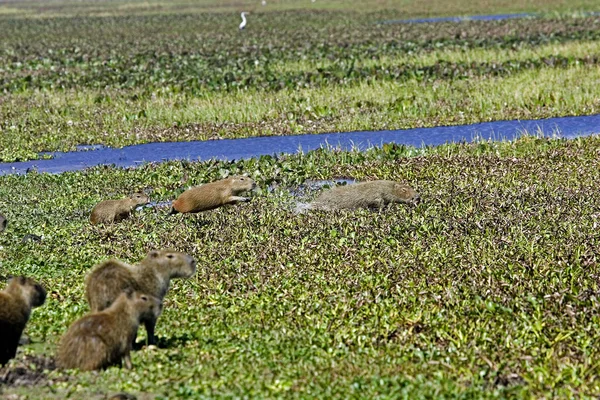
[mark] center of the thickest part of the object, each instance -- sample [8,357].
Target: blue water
[496,17]
[235,149]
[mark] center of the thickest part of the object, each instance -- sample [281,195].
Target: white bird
[243,24]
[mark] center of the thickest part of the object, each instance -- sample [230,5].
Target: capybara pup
[109,211]
[212,195]
[101,339]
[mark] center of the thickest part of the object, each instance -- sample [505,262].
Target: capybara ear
[128,291]
[22,280]
[153,254]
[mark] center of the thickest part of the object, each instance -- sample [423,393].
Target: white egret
[243,24]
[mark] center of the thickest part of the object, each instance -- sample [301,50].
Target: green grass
[486,289]
[453,55]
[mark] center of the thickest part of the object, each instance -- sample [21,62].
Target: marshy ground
[488,288]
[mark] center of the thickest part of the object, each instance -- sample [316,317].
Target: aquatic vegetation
[488,286]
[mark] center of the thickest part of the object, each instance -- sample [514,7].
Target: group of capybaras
[123,296]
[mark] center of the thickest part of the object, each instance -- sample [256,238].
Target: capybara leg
[378,203]
[150,331]
[127,359]
[237,199]
[8,348]
[4,356]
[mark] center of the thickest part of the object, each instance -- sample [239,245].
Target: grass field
[488,288]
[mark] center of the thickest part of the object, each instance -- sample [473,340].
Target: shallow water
[495,17]
[235,149]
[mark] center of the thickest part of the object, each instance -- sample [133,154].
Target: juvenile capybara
[212,195]
[101,339]
[109,211]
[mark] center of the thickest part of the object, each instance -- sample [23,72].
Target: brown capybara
[152,276]
[16,301]
[213,195]
[373,194]
[101,339]
[109,211]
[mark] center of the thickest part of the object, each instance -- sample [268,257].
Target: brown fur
[3,222]
[373,194]
[109,211]
[101,339]
[16,301]
[213,195]
[151,276]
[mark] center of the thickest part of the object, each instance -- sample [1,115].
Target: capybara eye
[144,298]
[170,256]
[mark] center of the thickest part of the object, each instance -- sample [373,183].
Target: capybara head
[146,305]
[405,193]
[139,199]
[241,183]
[31,289]
[179,265]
